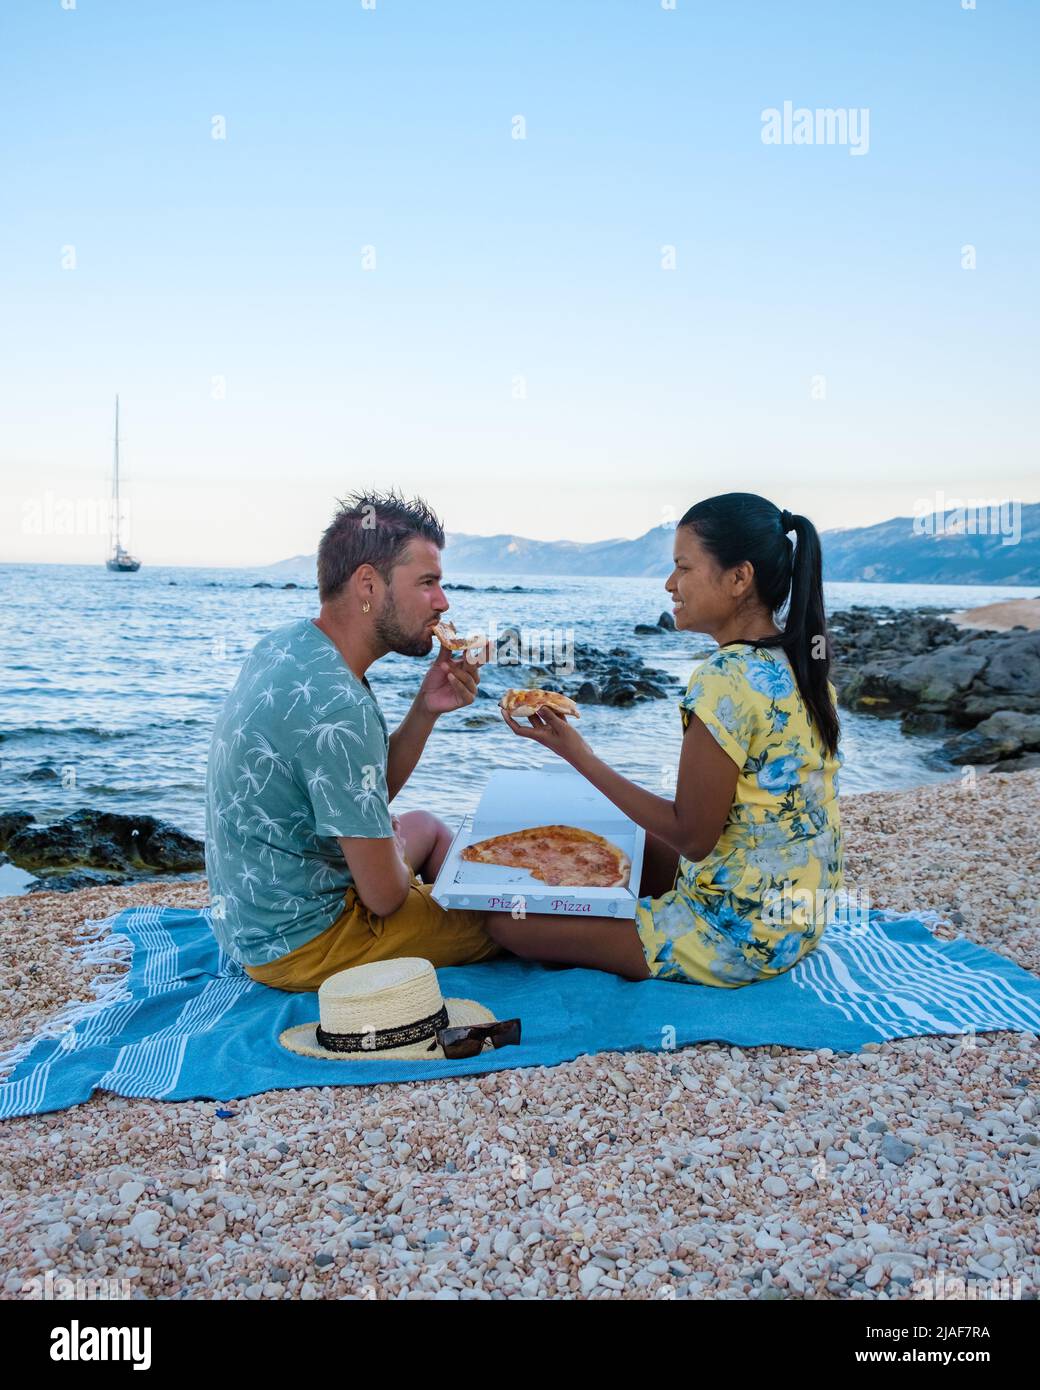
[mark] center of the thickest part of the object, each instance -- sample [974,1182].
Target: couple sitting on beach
[310,873]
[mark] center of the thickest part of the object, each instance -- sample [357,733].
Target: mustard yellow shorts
[419,927]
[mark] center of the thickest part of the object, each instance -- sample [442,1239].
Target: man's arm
[380,872]
[447,685]
[406,745]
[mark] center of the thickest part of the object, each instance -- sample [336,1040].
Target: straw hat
[388,1008]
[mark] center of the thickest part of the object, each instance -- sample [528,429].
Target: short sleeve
[720,697]
[341,762]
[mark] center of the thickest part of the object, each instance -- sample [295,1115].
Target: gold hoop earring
[365,606]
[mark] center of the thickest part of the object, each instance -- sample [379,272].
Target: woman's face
[702,592]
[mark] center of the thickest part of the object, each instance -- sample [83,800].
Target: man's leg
[428,840]
[601,943]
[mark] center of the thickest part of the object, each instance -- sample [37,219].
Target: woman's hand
[552,731]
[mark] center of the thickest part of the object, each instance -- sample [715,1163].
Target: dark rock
[105,840]
[1025,762]
[915,721]
[667,622]
[43,774]
[587,694]
[11,822]
[261,584]
[1005,734]
[290,586]
[645,630]
[78,878]
[619,694]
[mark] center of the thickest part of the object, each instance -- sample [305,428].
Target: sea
[111,683]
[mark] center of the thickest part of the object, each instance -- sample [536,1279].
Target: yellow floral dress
[760,900]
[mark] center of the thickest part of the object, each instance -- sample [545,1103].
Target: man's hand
[449,684]
[399,840]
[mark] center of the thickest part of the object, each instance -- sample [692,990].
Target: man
[308,871]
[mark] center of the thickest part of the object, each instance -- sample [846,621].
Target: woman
[736,867]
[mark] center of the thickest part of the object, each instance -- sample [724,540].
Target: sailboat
[120,559]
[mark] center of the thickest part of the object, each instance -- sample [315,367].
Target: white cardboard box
[553,795]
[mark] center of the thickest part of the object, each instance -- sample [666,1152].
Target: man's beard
[396,639]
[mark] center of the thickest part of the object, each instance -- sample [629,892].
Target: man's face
[413,601]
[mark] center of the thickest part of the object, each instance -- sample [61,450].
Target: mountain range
[905,550]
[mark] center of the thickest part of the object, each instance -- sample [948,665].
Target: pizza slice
[449,639]
[520,703]
[559,855]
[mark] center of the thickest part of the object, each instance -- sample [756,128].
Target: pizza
[559,855]
[448,638]
[517,703]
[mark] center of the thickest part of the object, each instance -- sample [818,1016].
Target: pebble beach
[711,1172]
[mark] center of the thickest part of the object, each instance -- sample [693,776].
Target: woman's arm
[705,786]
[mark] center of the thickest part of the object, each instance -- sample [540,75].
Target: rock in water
[106,840]
[1003,735]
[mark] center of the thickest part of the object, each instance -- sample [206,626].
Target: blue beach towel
[186,1022]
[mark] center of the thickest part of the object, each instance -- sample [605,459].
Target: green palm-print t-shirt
[298,758]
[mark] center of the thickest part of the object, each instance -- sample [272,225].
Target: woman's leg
[600,943]
[428,840]
[660,863]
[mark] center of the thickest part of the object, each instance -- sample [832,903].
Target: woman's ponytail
[740,526]
[804,637]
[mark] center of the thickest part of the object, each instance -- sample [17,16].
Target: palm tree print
[368,799]
[247,878]
[265,701]
[301,690]
[318,781]
[326,734]
[263,752]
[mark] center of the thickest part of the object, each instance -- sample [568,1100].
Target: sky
[532,261]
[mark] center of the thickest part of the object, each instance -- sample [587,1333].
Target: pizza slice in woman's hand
[519,703]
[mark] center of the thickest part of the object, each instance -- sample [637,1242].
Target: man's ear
[365,582]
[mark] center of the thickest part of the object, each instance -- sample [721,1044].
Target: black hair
[372,528]
[739,526]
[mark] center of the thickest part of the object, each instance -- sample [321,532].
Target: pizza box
[553,795]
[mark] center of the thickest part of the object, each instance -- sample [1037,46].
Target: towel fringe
[103,948]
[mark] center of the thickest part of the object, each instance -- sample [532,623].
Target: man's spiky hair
[372,528]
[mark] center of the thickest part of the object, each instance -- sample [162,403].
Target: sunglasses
[468,1041]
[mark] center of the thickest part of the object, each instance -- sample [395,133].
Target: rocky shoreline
[981,687]
[97,848]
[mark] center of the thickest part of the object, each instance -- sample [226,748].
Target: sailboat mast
[117,544]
